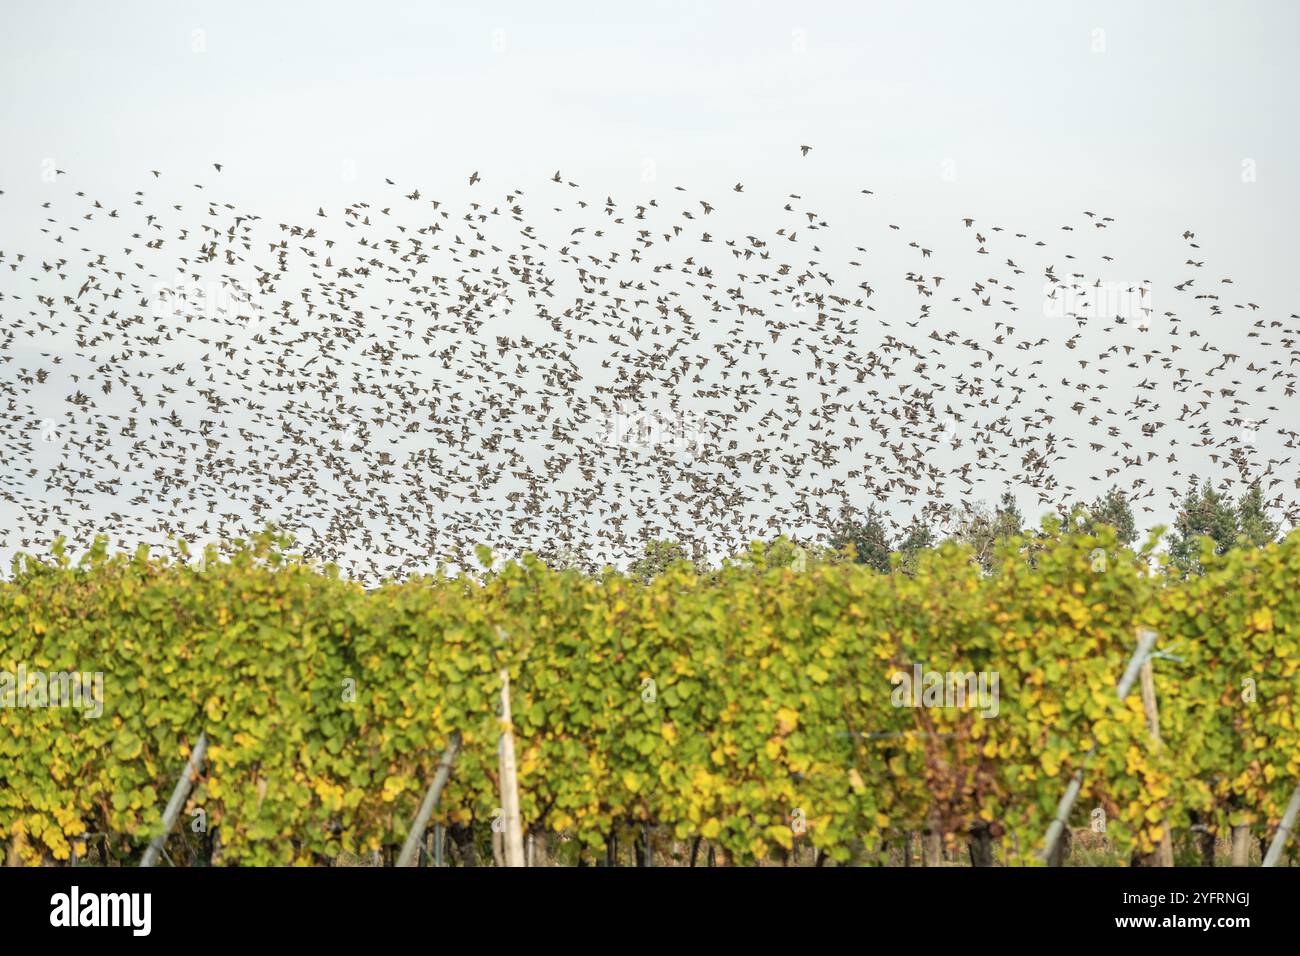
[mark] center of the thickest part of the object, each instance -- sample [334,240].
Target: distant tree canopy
[864,537]
[868,537]
[984,530]
[1204,513]
[1208,513]
[656,557]
[1253,522]
[916,537]
[1111,509]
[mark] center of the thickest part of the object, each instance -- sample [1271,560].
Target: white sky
[1020,114]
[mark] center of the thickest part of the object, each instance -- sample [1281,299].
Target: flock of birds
[398,381]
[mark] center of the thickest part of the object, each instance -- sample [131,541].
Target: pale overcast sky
[1167,116]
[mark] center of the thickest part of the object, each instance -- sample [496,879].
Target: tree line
[869,537]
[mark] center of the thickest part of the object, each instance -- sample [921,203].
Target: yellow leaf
[781,834]
[787,720]
[855,781]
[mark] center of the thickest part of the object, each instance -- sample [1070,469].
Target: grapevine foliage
[722,706]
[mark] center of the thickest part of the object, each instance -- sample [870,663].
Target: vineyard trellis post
[440,778]
[513,836]
[1284,828]
[1165,851]
[1146,641]
[1241,845]
[177,802]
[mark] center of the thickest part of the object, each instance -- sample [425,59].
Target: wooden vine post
[177,802]
[513,837]
[1165,851]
